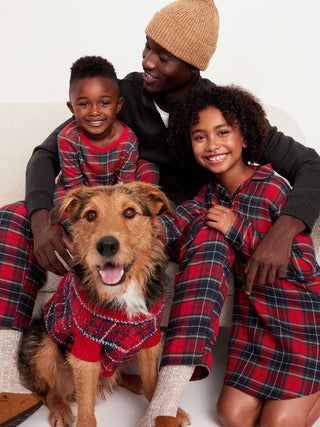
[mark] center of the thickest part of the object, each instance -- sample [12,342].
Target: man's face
[164,72]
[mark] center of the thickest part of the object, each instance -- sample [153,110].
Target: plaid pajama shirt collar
[261,173]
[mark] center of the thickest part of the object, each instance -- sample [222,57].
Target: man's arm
[42,169]
[41,172]
[301,167]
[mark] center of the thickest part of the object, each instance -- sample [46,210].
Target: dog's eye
[91,216]
[129,213]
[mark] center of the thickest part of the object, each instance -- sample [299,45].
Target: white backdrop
[271,47]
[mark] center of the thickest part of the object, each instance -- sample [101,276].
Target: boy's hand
[49,240]
[220,218]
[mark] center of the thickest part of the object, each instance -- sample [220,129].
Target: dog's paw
[183,418]
[61,418]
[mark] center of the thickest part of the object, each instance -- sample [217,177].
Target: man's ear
[194,70]
[69,105]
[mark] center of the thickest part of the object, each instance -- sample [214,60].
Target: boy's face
[216,145]
[95,103]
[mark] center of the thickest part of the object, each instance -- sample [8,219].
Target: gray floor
[124,409]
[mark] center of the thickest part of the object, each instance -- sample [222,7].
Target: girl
[273,371]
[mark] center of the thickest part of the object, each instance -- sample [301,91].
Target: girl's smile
[219,158]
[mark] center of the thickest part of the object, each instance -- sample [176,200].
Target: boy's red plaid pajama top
[82,163]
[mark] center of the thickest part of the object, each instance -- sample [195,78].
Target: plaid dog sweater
[93,333]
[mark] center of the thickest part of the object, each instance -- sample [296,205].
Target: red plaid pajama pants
[20,274]
[205,260]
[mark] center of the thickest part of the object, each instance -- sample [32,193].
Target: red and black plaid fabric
[95,334]
[275,337]
[82,163]
[147,172]
[201,285]
[20,274]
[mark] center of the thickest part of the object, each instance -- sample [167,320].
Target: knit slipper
[166,421]
[17,407]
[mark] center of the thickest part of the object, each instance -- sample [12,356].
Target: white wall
[268,46]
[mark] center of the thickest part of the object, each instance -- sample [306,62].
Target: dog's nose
[108,246]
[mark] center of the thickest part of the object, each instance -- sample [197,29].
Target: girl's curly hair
[237,106]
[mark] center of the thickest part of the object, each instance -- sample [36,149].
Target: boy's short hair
[92,66]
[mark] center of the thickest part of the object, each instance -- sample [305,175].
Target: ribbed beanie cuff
[188,29]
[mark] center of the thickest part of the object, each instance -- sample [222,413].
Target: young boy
[96,148]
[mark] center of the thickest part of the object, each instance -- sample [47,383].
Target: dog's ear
[156,198]
[67,205]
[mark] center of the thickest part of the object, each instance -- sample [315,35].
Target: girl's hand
[220,218]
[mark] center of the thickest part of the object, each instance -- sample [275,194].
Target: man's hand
[47,240]
[270,257]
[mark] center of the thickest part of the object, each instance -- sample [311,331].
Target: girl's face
[216,145]
[95,103]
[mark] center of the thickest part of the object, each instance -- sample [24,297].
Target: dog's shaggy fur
[119,261]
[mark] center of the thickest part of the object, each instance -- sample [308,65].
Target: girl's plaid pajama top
[274,348]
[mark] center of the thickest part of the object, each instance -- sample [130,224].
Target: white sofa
[25,125]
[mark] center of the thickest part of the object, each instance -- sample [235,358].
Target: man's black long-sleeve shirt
[297,163]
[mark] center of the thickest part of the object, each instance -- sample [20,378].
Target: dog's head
[115,233]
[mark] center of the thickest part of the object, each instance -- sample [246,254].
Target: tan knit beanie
[188,29]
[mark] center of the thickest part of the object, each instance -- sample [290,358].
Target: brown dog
[118,273]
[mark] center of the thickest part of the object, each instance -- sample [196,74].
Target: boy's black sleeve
[300,165]
[41,172]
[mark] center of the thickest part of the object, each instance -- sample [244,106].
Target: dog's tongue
[111,274]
